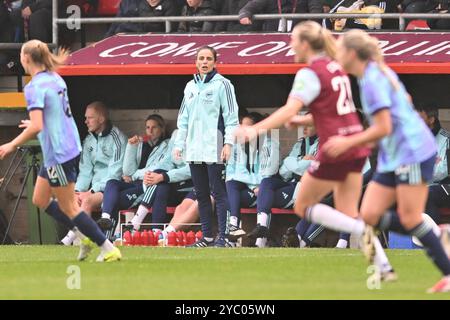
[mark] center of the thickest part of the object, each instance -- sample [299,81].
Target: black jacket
[127,8]
[4,16]
[207,8]
[232,7]
[36,5]
[141,8]
[265,7]
[165,8]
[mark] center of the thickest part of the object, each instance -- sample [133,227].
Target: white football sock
[107,246]
[170,228]
[333,219]
[342,244]
[69,238]
[431,222]
[263,219]
[140,215]
[261,242]
[79,234]
[434,226]
[234,221]
[381,260]
[106,215]
[301,243]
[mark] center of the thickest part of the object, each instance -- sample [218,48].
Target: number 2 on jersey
[65,102]
[345,103]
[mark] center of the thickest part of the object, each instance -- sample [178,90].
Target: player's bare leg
[312,190]
[411,201]
[69,205]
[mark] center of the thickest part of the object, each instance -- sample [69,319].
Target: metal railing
[402,17]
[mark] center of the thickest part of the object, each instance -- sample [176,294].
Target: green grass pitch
[43,272]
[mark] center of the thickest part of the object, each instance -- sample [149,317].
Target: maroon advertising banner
[243,53]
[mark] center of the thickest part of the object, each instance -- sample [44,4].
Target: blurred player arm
[35,98]
[281,116]
[32,128]
[300,120]
[305,90]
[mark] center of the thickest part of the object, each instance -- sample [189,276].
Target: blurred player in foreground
[407,149]
[325,88]
[52,122]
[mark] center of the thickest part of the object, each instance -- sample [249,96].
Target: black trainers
[201,243]
[223,243]
[259,232]
[290,238]
[234,233]
[105,224]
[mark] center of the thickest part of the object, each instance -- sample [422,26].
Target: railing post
[168,26]
[55,24]
[401,23]
[284,24]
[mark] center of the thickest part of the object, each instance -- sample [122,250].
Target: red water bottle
[180,238]
[184,239]
[198,235]
[172,239]
[136,238]
[190,238]
[128,241]
[151,238]
[157,234]
[145,238]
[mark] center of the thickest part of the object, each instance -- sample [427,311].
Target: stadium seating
[104,8]
[417,25]
[107,8]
